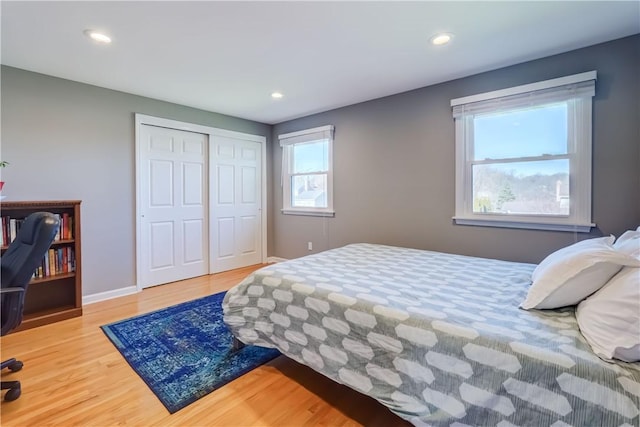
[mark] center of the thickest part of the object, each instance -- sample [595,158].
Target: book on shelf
[66,225]
[14,226]
[52,262]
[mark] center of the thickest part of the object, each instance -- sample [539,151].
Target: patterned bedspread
[437,338]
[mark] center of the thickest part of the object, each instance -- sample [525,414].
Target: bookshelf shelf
[57,296]
[35,281]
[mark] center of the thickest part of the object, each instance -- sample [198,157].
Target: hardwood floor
[73,375]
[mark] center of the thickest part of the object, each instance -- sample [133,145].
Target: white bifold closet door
[236,205]
[173,205]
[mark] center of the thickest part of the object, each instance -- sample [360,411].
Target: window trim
[578,89]
[287,142]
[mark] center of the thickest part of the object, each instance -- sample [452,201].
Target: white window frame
[579,90]
[287,142]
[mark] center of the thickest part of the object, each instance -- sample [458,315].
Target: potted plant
[3,163]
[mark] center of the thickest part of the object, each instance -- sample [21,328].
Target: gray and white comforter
[437,338]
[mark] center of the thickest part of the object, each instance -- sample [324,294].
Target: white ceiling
[228,57]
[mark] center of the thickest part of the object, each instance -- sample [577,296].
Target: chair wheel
[15,367]
[12,394]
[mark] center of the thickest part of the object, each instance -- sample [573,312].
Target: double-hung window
[523,155]
[307,172]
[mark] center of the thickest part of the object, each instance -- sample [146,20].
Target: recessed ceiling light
[97,37]
[442,38]
[276,95]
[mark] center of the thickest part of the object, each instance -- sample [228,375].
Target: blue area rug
[184,352]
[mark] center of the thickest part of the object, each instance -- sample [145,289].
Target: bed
[437,338]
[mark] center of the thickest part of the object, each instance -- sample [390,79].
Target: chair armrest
[11,290]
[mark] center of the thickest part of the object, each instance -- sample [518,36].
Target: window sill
[308,213]
[530,225]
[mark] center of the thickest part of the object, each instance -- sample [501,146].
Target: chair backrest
[18,263]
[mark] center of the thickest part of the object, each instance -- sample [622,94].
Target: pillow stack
[603,279]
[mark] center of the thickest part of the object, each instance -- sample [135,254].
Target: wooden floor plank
[73,375]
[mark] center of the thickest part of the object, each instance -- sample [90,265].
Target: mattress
[437,338]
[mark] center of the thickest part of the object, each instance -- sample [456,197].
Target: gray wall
[394,164]
[68,140]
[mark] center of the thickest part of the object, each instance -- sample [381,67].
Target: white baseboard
[103,296]
[274,259]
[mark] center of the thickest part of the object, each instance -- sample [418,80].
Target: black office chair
[18,263]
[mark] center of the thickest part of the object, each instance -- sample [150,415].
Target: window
[307,172]
[523,156]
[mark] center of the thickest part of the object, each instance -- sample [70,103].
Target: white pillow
[571,274]
[610,318]
[629,243]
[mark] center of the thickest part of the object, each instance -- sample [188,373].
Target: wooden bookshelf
[54,297]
